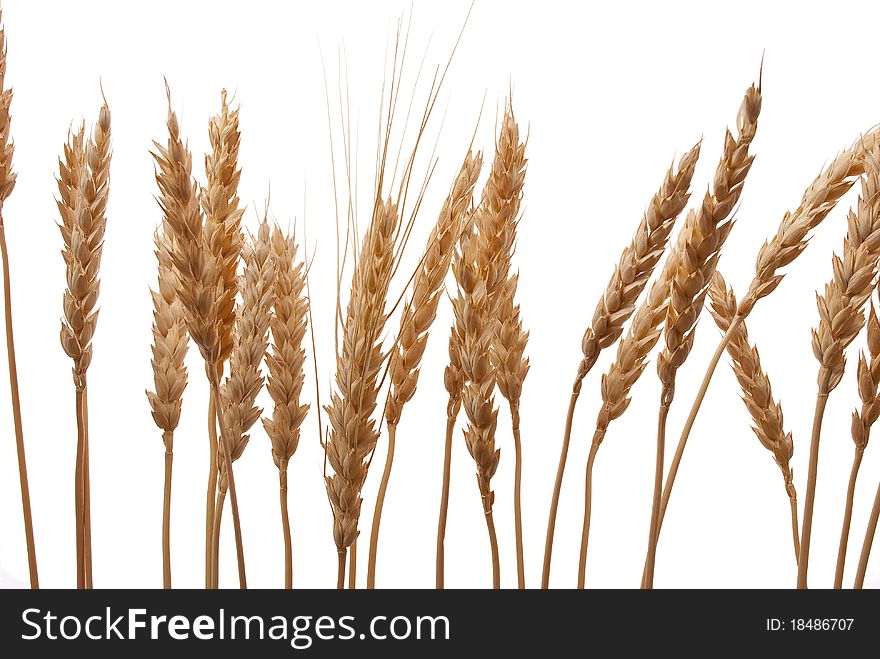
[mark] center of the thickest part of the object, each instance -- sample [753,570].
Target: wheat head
[353,431]
[7,175]
[869,382]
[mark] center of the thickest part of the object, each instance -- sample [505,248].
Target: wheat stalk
[353,431]
[870,531]
[83,186]
[862,420]
[416,321]
[196,269]
[705,234]
[841,318]
[169,376]
[757,394]
[220,206]
[617,304]
[286,363]
[7,183]
[239,392]
[791,239]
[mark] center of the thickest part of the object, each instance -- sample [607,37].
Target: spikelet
[416,322]
[239,392]
[841,308]
[869,382]
[286,357]
[353,430]
[169,344]
[705,233]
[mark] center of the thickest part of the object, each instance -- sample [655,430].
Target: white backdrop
[609,94]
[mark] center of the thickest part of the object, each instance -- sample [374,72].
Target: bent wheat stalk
[169,376]
[705,234]
[869,540]
[841,318]
[415,324]
[196,268]
[862,420]
[286,363]
[7,183]
[757,393]
[618,302]
[83,186]
[792,238]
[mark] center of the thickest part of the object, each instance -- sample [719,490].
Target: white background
[609,95]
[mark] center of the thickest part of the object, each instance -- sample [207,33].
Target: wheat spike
[353,430]
[868,383]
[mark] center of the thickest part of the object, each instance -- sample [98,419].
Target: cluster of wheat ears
[244,302]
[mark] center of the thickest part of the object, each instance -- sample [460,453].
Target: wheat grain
[416,321]
[757,394]
[617,304]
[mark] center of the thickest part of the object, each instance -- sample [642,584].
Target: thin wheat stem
[662,416]
[215,538]
[795,534]
[340,573]
[810,498]
[285,525]
[352,566]
[557,488]
[444,501]
[588,503]
[210,502]
[493,545]
[847,517]
[16,416]
[168,437]
[517,495]
[869,540]
[87,496]
[380,502]
[78,492]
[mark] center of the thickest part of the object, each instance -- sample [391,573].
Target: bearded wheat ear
[705,234]
[220,205]
[169,376]
[286,363]
[757,393]
[841,318]
[862,420]
[7,183]
[196,270]
[618,302]
[83,186]
[416,322]
[790,240]
[239,392]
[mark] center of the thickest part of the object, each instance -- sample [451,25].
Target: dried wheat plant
[238,394]
[169,376]
[705,233]
[286,363]
[617,304]
[220,206]
[757,394]
[841,318]
[481,270]
[416,321]
[196,270]
[792,237]
[7,183]
[862,420]
[353,430]
[83,187]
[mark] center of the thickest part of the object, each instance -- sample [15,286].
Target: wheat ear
[617,304]
[169,377]
[416,322]
[239,392]
[285,360]
[196,269]
[705,234]
[83,186]
[7,183]
[757,393]
[220,205]
[353,430]
[841,318]
[862,420]
[790,240]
